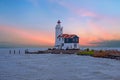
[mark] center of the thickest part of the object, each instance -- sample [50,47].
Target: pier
[14,51]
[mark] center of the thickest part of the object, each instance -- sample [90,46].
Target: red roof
[67,35]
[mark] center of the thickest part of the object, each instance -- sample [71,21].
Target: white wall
[58,31]
[70,46]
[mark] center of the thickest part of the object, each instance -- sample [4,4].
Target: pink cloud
[27,37]
[95,32]
[99,30]
[79,11]
[83,12]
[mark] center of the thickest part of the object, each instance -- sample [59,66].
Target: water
[56,67]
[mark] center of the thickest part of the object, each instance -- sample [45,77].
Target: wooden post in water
[19,51]
[10,51]
[26,51]
[14,51]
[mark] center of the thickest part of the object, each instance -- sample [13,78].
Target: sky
[32,22]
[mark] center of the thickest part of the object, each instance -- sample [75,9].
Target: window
[59,39]
[67,40]
[76,39]
[73,40]
[71,46]
[75,45]
[61,29]
[62,44]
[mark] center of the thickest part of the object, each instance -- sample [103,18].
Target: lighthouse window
[75,45]
[67,40]
[59,39]
[62,44]
[73,40]
[61,29]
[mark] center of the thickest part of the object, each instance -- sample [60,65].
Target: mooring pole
[14,51]
[26,51]
[19,51]
[10,51]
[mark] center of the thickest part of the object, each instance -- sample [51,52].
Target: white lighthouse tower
[58,31]
[65,41]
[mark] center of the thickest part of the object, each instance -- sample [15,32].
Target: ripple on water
[57,67]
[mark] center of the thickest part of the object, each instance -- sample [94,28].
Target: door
[75,45]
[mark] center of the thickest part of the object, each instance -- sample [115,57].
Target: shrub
[87,49]
[92,50]
[49,48]
[86,53]
[101,51]
[78,53]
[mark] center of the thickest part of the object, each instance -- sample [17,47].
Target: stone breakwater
[112,54]
[54,52]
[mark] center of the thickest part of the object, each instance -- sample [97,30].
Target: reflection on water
[56,67]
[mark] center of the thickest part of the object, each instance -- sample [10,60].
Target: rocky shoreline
[52,51]
[111,54]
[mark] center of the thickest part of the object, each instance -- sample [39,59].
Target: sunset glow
[32,22]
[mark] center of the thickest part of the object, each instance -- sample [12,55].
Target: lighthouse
[58,31]
[65,41]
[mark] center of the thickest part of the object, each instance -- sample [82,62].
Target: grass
[98,54]
[86,53]
[93,53]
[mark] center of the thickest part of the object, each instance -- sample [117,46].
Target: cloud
[34,2]
[96,33]
[77,10]
[100,31]
[84,12]
[18,36]
[107,43]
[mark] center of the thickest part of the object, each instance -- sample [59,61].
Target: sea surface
[55,66]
